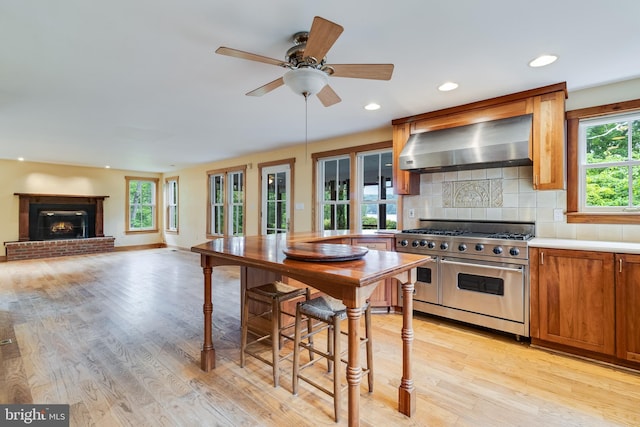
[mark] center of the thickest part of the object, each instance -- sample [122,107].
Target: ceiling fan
[308,69]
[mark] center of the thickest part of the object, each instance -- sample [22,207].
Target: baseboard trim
[139,247]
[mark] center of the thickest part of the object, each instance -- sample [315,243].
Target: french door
[276,199]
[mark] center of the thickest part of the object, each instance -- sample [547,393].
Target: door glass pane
[342,217]
[275,202]
[344,181]
[370,173]
[330,184]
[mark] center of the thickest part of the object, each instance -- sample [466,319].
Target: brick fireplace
[51,225]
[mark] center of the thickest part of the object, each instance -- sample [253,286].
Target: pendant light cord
[306,125]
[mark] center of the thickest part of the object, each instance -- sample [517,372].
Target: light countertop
[585,245]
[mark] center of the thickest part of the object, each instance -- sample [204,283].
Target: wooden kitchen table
[351,281]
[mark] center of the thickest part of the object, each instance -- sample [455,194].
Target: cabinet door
[403,181]
[382,295]
[548,141]
[576,297]
[628,307]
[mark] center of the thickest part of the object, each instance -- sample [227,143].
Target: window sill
[603,218]
[140,231]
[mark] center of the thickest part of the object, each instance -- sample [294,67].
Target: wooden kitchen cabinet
[628,307]
[548,141]
[573,299]
[405,183]
[384,294]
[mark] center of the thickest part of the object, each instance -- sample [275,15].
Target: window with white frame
[171,188]
[226,203]
[354,188]
[609,163]
[236,203]
[141,204]
[216,204]
[334,191]
[378,201]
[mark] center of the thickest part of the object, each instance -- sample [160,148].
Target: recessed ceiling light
[372,106]
[543,60]
[21,159]
[107,167]
[446,87]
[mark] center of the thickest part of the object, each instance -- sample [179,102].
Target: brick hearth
[55,248]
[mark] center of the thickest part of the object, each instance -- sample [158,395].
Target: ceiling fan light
[305,81]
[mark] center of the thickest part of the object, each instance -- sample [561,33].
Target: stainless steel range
[479,273]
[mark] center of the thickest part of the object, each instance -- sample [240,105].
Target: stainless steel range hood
[495,143]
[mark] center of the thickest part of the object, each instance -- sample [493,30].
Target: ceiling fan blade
[363,71]
[267,88]
[250,56]
[328,97]
[322,36]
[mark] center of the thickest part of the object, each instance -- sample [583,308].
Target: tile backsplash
[503,194]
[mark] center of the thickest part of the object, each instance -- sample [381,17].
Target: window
[335,179]
[369,204]
[216,204]
[603,171]
[141,204]
[225,211]
[610,163]
[171,188]
[236,189]
[377,198]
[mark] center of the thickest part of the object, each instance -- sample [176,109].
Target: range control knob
[404,242]
[431,245]
[497,250]
[415,243]
[444,246]
[462,247]
[479,247]
[423,243]
[514,251]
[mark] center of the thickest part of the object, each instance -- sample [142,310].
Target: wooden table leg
[208,354]
[407,391]
[354,370]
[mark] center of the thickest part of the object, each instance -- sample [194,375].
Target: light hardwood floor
[118,337]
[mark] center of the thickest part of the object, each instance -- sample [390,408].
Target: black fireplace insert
[56,221]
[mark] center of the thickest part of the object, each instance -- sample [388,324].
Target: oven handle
[467,264]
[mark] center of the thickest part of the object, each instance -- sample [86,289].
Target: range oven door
[489,288]
[426,286]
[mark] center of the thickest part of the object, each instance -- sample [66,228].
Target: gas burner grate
[511,236]
[435,232]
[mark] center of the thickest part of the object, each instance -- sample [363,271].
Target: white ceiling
[137,85]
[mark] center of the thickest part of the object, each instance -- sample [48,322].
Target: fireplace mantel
[27,198]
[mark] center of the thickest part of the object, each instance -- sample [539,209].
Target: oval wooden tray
[324,252]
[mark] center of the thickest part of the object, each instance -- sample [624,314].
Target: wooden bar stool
[327,314]
[273,294]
